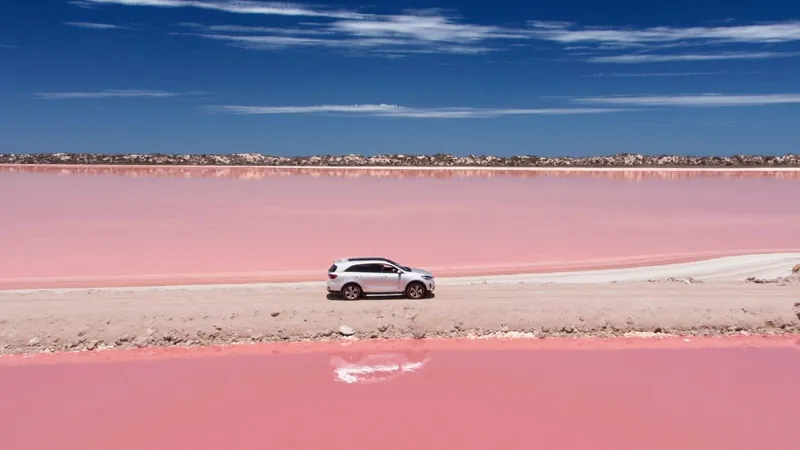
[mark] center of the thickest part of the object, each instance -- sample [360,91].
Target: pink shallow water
[708,394]
[81,226]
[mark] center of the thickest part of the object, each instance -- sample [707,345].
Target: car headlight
[427,277]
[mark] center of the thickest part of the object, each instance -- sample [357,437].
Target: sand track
[95,319]
[590,303]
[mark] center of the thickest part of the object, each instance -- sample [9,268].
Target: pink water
[705,394]
[90,226]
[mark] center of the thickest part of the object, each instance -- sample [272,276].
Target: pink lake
[100,226]
[659,394]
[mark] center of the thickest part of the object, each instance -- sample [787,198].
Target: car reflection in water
[360,367]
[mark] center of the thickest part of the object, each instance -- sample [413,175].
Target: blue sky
[548,78]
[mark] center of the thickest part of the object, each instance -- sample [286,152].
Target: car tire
[416,290]
[351,291]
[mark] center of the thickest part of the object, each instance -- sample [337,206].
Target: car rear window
[332,268]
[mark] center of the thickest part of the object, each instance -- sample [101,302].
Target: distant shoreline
[438,161]
[429,168]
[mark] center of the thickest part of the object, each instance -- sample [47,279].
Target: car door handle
[384,277]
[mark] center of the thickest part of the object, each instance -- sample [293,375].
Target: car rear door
[369,276]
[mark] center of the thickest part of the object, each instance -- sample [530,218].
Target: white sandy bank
[730,268]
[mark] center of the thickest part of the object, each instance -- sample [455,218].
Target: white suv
[353,277]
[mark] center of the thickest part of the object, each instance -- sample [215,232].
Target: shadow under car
[339,297]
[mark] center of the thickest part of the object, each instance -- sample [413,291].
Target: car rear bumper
[333,286]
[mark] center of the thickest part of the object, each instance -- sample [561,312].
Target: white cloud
[81,3]
[235,7]
[367,108]
[394,35]
[649,57]
[763,33]
[396,46]
[654,74]
[437,31]
[93,26]
[273,42]
[422,31]
[431,28]
[244,29]
[696,100]
[122,93]
[384,110]
[550,24]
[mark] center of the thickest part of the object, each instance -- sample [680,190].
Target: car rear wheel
[415,290]
[351,291]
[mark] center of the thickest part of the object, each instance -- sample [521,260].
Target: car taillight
[332,276]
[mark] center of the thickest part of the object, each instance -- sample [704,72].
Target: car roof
[369,258]
[361,260]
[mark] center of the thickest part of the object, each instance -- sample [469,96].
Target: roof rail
[369,258]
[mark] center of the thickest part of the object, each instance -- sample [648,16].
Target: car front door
[391,280]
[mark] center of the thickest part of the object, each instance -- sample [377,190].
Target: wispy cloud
[731,41]
[82,4]
[703,100]
[655,74]
[425,27]
[235,7]
[367,45]
[244,29]
[269,42]
[121,93]
[636,58]
[422,32]
[385,110]
[550,24]
[440,31]
[762,33]
[417,31]
[93,25]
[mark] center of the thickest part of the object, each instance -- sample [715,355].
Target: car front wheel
[415,290]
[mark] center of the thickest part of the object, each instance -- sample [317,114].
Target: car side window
[373,268]
[356,268]
[386,268]
[365,268]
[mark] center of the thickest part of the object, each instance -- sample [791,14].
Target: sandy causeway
[89,319]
